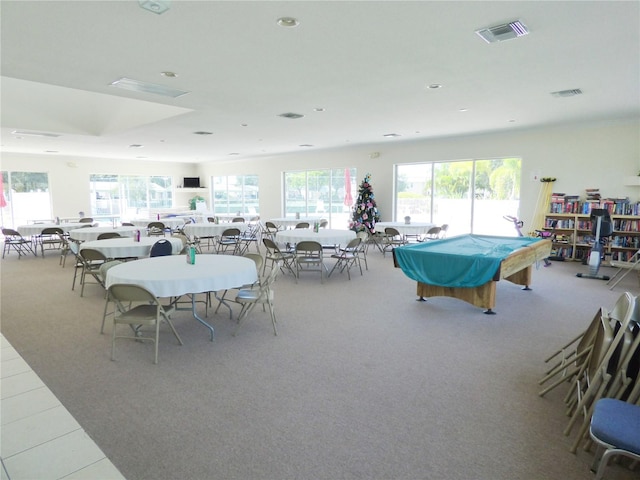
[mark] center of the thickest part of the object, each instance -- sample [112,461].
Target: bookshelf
[572,237]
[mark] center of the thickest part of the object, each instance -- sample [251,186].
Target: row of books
[614,206]
[622,256]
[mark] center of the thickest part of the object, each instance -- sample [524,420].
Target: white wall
[579,156]
[595,155]
[69,176]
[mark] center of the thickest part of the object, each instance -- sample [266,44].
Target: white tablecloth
[36,228]
[325,236]
[127,248]
[172,276]
[91,233]
[173,222]
[287,222]
[405,229]
[211,229]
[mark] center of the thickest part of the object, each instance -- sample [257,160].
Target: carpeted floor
[362,382]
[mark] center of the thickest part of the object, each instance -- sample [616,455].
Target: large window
[24,197]
[472,196]
[321,193]
[129,196]
[236,194]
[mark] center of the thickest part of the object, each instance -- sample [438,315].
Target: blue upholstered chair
[161,248]
[615,426]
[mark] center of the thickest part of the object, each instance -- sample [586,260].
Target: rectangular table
[467,267]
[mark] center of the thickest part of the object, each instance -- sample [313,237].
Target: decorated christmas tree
[365,213]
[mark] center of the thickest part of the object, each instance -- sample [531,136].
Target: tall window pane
[413,192]
[129,196]
[327,193]
[452,195]
[236,194]
[470,196]
[497,193]
[25,197]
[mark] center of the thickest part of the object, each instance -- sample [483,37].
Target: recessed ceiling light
[201,132]
[169,74]
[318,109]
[294,116]
[306,145]
[144,87]
[51,151]
[155,6]
[434,86]
[463,110]
[136,145]
[234,153]
[288,22]
[391,135]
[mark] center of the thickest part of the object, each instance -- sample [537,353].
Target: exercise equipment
[601,227]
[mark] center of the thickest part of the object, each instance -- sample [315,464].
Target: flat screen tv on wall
[191,182]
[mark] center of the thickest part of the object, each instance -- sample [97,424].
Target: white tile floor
[40,440]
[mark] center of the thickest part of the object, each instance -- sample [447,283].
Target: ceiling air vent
[567,93]
[500,33]
[291,115]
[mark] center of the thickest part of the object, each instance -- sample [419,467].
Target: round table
[404,228]
[91,233]
[211,229]
[325,236]
[172,222]
[286,222]
[34,229]
[172,276]
[128,248]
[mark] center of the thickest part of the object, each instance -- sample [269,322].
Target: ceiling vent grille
[567,93]
[500,33]
[291,115]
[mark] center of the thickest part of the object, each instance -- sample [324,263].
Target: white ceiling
[367,64]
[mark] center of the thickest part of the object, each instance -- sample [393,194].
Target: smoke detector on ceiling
[506,31]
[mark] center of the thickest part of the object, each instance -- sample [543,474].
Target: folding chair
[624,268]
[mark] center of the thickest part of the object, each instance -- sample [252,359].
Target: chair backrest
[211,219]
[309,248]
[270,226]
[86,220]
[434,232]
[302,225]
[107,235]
[127,224]
[270,245]
[324,223]
[125,292]
[391,231]
[231,232]
[257,258]
[363,235]
[158,225]
[183,238]
[104,268]
[353,244]
[52,231]
[238,220]
[92,255]
[9,232]
[161,248]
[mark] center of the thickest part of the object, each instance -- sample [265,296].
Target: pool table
[467,267]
